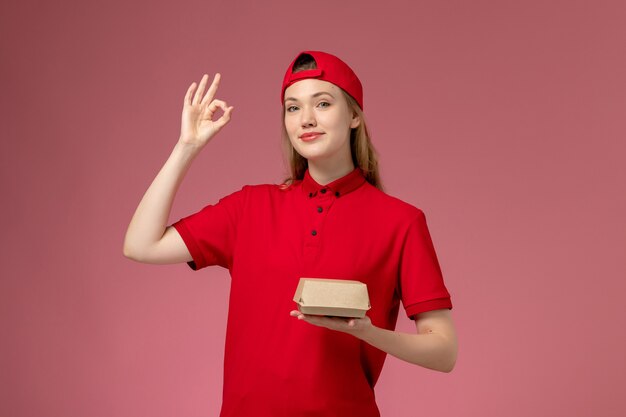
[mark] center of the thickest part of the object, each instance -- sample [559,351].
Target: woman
[329,220]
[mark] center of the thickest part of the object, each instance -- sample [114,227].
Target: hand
[197,125]
[354,326]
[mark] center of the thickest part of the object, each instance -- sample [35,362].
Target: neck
[325,173]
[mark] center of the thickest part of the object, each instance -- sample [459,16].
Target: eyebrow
[313,95]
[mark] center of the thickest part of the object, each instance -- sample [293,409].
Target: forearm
[150,219]
[430,350]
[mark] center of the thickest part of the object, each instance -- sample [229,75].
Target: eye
[324,102]
[289,109]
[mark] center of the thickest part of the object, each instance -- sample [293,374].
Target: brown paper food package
[332,297]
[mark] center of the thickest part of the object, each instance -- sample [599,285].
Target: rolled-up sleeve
[421,282]
[211,233]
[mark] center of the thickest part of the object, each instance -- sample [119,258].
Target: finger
[297,315]
[226,116]
[212,89]
[217,103]
[212,108]
[189,93]
[318,320]
[198,96]
[334,322]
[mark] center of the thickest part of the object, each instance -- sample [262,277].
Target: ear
[356,121]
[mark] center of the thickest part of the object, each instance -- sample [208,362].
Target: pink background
[504,121]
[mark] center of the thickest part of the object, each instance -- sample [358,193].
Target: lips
[310,136]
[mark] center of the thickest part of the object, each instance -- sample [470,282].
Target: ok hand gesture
[197,124]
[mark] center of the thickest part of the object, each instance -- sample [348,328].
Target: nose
[308,116]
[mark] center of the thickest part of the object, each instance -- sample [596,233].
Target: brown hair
[364,155]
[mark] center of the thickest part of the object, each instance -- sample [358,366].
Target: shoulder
[255,192]
[267,189]
[391,206]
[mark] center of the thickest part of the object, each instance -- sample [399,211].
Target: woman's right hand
[197,124]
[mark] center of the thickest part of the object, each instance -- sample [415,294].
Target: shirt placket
[319,206]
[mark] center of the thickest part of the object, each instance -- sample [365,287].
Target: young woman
[330,219]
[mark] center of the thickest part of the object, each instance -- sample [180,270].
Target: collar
[338,188]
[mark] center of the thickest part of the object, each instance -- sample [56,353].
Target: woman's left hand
[353,326]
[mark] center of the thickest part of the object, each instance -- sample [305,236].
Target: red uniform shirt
[268,237]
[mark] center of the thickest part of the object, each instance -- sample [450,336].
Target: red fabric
[329,68]
[275,365]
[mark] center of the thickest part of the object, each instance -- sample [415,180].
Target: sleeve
[420,281]
[210,234]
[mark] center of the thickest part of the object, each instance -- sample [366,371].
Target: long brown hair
[364,155]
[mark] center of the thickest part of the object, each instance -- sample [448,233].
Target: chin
[311,154]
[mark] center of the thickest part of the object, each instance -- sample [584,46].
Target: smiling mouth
[310,136]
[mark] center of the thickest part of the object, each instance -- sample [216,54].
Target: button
[314,232]
[319,209]
[336,193]
[323,190]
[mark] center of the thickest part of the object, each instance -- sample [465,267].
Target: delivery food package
[332,297]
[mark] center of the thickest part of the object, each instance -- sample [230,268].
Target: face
[318,121]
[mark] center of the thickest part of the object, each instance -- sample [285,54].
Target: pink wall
[504,121]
